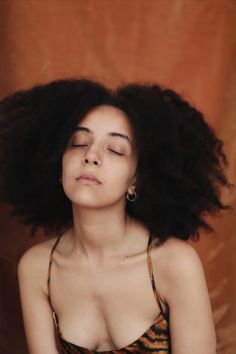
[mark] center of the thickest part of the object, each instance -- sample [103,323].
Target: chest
[103,308]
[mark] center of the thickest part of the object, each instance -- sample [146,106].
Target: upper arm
[191,321]
[37,314]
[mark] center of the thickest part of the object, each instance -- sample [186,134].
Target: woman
[122,178]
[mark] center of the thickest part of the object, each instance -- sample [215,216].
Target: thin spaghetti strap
[49,269]
[54,315]
[150,268]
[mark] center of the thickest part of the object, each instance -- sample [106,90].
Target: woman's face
[99,163]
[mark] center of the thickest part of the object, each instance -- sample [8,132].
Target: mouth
[88,179]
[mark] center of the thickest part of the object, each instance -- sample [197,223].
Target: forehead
[107,118]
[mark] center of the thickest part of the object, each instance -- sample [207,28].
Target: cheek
[70,171]
[121,175]
[70,163]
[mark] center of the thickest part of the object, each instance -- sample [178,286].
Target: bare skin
[100,286]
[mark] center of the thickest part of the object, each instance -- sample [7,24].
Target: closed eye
[79,145]
[116,152]
[111,150]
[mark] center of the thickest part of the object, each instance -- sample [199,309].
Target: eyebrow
[87,130]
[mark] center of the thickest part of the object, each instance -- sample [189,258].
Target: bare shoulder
[34,262]
[176,262]
[182,283]
[36,254]
[37,313]
[177,253]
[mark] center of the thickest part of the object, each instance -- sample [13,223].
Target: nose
[93,162]
[92,158]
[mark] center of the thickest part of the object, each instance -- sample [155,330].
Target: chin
[93,204]
[86,199]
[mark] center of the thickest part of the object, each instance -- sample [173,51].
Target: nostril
[87,161]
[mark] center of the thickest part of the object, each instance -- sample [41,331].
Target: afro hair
[181,161]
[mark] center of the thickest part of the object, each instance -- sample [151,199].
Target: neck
[101,233]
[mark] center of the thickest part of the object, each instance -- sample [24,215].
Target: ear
[132,187]
[134,180]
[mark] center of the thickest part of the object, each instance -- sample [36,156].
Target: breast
[156,339]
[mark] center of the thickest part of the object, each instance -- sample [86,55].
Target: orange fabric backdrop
[189,45]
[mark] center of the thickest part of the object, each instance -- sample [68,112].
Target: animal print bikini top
[156,339]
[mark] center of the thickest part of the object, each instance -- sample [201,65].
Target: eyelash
[79,145]
[113,151]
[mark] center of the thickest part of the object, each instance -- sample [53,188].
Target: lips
[90,178]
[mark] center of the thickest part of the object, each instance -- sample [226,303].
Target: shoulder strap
[149,261]
[54,315]
[49,269]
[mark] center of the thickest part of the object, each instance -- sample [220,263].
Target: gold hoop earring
[131,197]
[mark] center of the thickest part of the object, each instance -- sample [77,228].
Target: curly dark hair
[181,161]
